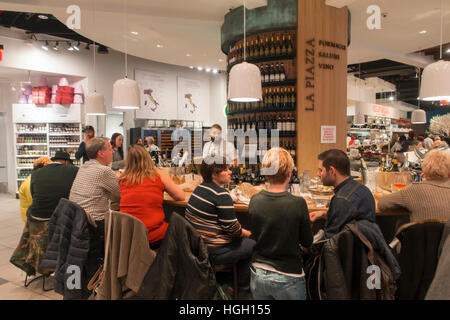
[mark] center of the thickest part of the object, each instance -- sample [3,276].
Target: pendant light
[435,82]
[95,102]
[245,78]
[126,93]
[419,116]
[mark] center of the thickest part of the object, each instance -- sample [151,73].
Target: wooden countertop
[242,207]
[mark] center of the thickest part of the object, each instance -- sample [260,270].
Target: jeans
[268,285]
[240,251]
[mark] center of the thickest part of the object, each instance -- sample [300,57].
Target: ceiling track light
[77,46]
[45,46]
[55,47]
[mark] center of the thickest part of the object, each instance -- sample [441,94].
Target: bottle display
[274,53]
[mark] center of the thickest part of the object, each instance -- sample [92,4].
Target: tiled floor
[11,277]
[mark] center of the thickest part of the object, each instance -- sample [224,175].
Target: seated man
[211,211]
[48,185]
[96,182]
[351,200]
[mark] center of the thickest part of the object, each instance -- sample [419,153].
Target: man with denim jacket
[351,201]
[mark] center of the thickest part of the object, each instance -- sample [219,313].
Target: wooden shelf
[263,59]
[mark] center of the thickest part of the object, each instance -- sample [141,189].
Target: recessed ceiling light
[191,67]
[199,68]
[135,33]
[448,50]
[423,32]
[220,60]
[215,71]
[391,98]
[188,55]
[208,69]
[159,46]
[42,16]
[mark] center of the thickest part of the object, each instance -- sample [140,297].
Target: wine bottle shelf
[290,82]
[252,111]
[262,60]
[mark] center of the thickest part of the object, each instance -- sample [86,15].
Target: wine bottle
[261,48]
[277,100]
[256,49]
[272,47]
[293,99]
[283,46]
[267,47]
[276,73]
[282,72]
[278,46]
[267,74]
[271,73]
[290,49]
[263,73]
[251,52]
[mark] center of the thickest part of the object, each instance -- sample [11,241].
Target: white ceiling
[192,28]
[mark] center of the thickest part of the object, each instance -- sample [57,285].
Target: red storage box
[64,95]
[41,95]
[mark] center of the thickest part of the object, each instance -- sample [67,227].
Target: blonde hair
[41,162]
[138,166]
[278,157]
[436,164]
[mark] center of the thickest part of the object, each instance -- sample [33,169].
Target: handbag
[97,278]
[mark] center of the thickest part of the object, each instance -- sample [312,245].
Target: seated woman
[142,188]
[116,144]
[427,199]
[279,223]
[211,212]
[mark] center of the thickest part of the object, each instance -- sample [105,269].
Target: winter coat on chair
[129,257]
[418,257]
[346,269]
[181,269]
[74,249]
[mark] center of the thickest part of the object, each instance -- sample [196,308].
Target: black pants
[240,251]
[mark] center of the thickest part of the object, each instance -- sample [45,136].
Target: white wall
[109,68]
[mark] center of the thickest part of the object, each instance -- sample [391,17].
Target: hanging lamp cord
[442,19]
[125,37]
[95,74]
[245,29]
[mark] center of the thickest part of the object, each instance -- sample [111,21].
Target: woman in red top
[142,188]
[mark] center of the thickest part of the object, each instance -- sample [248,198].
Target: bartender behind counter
[217,147]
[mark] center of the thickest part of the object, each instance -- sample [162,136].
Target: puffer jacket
[181,269]
[73,241]
[344,268]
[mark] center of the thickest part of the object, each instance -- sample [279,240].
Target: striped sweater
[210,210]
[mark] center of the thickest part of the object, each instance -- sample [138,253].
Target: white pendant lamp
[95,102]
[245,79]
[435,82]
[419,116]
[126,93]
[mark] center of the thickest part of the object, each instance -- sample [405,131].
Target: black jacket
[73,241]
[418,258]
[343,268]
[81,152]
[181,269]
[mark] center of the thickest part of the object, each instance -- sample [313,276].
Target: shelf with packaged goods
[63,134]
[32,156]
[31,144]
[63,146]
[20,168]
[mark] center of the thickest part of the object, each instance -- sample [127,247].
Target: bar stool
[230,267]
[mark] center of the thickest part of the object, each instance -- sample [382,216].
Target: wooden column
[321,80]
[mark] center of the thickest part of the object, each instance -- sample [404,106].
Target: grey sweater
[429,199]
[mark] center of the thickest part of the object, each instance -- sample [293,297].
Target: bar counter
[388,221]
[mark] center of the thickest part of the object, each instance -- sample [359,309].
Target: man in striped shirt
[211,211]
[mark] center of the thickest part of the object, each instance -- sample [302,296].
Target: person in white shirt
[151,146]
[217,147]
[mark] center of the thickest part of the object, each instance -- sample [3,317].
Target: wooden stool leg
[235,278]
